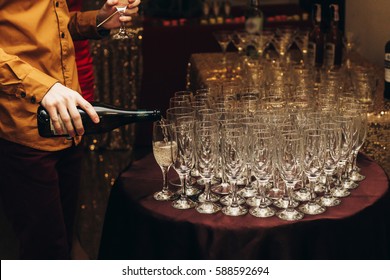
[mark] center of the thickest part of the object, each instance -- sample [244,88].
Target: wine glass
[122,33]
[185,160]
[359,138]
[233,160]
[172,115]
[313,161]
[207,152]
[223,38]
[289,162]
[165,152]
[261,157]
[331,157]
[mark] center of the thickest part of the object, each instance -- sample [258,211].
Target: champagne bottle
[111,117]
[316,40]
[387,71]
[254,18]
[334,45]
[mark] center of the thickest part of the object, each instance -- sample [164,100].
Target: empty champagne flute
[207,152]
[122,33]
[233,159]
[165,152]
[313,161]
[261,157]
[331,157]
[289,162]
[185,159]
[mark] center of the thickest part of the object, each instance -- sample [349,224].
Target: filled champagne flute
[165,152]
[122,33]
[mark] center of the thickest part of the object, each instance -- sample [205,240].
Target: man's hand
[109,8]
[61,102]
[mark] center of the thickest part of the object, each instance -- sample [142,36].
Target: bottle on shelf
[387,71]
[334,39]
[254,17]
[111,117]
[316,40]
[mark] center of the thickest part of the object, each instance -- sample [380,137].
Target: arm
[82,25]
[31,85]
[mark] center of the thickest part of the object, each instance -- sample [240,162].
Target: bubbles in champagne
[165,152]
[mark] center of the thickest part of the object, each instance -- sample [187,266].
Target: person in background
[39,177]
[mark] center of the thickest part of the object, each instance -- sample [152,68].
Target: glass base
[234,211]
[201,181]
[227,200]
[165,195]
[213,197]
[319,188]
[275,193]
[329,201]
[284,203]
[340,192]
[357,177]
[262,212]
[255,201]
[183,203]
[176,182]
[223,188]
[208,208]
[302,195]
[290,214]
[312,208]
[247,191]
[190,191]
[350,185]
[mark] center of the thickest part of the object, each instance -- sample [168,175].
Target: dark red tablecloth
[138,227]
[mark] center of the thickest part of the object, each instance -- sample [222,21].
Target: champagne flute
[207,152]
[165,152]
[185,159]
[233,159]
[122,33]
[289,162]
[262,166]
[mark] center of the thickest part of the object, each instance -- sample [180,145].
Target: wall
[369,20]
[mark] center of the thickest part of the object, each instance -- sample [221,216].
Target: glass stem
[165,178]
[207,189]
[234,194]
[183,180]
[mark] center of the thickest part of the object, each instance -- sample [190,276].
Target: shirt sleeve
[82,26]
[19,78]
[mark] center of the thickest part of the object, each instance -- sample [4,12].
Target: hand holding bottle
[61,103]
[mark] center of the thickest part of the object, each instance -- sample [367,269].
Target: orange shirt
[36,51]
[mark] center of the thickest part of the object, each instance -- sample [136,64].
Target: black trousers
[39,191]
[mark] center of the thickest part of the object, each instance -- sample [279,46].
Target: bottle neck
[254,4]
[317,14]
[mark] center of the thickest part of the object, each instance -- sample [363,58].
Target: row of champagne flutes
[280,152]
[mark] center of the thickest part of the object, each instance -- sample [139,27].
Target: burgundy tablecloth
[138,227]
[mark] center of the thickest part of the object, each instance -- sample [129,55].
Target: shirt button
[33,99]
[62,35]
[57,4]
[23,94]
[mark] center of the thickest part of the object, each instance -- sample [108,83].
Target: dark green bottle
[111,117]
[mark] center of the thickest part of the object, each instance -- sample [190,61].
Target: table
[138,227]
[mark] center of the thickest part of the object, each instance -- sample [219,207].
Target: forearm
[20,79]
